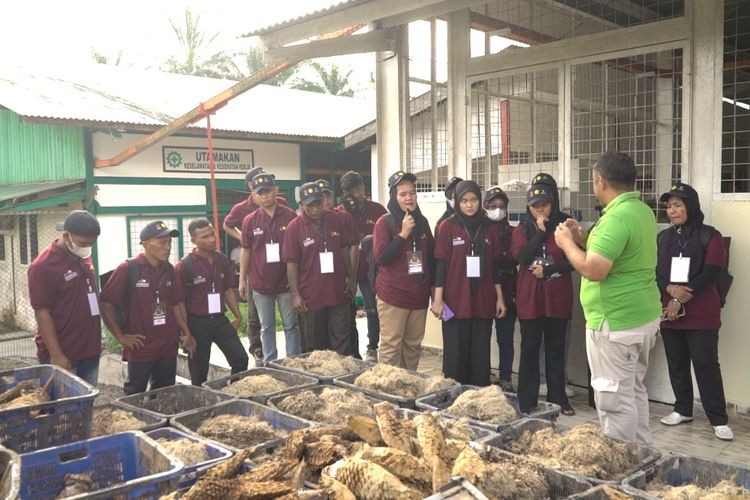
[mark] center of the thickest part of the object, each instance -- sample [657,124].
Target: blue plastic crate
[127,465]
[190,421]
[10,474]
[64,419]
[294,381]
[168,402]
[192,472]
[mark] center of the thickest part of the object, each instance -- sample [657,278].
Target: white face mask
[450,202]
[80,252]
[496,214]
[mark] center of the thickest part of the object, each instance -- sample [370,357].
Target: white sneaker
[569,391]
[723,432]
[542,389]
[675,418]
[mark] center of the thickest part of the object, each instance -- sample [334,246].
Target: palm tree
[255,60]
[194,42]
[332,81]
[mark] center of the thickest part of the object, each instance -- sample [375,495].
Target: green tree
[255,60]
[331,80]
[194,43]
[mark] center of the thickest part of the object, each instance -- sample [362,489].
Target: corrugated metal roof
[327,6]
[110,94]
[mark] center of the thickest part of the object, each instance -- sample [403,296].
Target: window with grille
[28,238]
[735,142]
[135,225]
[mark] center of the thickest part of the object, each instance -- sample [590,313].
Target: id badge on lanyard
[93,299]
[159,312]
[680,270]
[272,253]
[473,268]
[414,259]
[214,301]
[326,262]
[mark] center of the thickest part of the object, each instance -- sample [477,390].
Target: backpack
[121,311]
[187,269]
[725,279]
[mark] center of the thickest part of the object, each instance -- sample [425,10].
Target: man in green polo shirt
[619,296]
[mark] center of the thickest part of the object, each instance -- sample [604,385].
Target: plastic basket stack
[293,381]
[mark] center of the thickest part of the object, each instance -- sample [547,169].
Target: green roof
[18,197]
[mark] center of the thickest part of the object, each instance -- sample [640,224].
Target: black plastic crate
[482,433]
[190,421]
[401,401]
[171,401]
[151,420]
[294,380]
[63,419]
[274,401]
[324,379]
[440,401]
[680,470]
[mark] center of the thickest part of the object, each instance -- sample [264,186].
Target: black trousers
[328,328]
[533,331]
[466,350]
[354,334]
[701,347]
[208,330]
[160,373]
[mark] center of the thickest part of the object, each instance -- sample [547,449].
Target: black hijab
[555,216]
[398,214]
[684,239]
[450,190]
[475,225]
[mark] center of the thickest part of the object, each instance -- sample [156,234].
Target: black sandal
[568,411]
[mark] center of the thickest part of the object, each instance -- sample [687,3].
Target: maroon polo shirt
[303,243]
[452,244]
[259,229]
[208,277]
[60,281]
[536,298]
[237,214]
[507,276]
[393,284]
[703,311]
[161,340]
[365,220]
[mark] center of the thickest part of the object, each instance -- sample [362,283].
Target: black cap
[494,192]
[80,223]
[264,180]
[324,185]
[157,229]
[310,192]
[544,179]
[679,190]
[351,180]
[537,193]
[450,186]
[395,179]
[252,173]
[349,203]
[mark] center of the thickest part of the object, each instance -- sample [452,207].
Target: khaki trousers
[401,334]
[618,361]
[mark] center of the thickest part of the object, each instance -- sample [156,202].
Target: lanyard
[161,281]
[211,271]
[474,239]
[271,226]
[322,230]
[682,244]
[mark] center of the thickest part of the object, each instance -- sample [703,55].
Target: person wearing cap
[402,246]
[233,227]
[366,213]
[62,291]
[545,179]
[352,231]
[691,257]
[208,280]
[619,296]
[467,284]
[450,188]
[153,309]
[496,206]
[263,234]
[316,252]
[544,299]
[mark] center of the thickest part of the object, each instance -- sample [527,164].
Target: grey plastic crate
[647,455]
[401,401]
[10,474]
[274,401]
[482,433]
[459,489]
[171,401]
[324,379]
[190,421]
[440,401]
[150,419]
[602,492]
[214,451]
[679,470]
[294,380]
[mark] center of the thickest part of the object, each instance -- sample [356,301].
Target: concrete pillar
[459,104]
[705,101]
